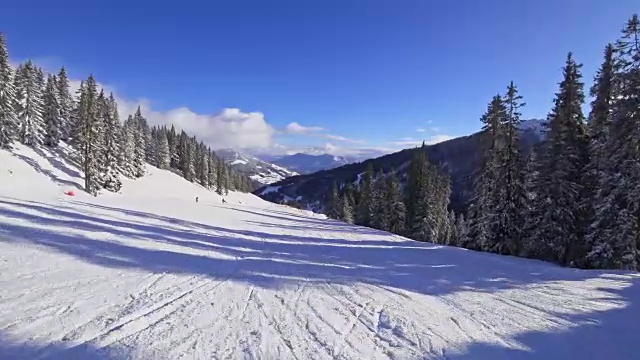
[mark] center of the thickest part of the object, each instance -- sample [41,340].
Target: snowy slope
[260,171]
[150,274]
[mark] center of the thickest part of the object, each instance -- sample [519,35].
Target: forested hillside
[38,109]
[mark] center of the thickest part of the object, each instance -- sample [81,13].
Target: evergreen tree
[462,231]
[111,144]
[204,166]
[395,206]
[332,205]
[212,170]
[485,217]
[65,104]
[128,155]
[560,228]
[8,119]
[164,154]
[379,220]
[615,232]
[140,135]
[346,205]
[221,178]
[52,118]
[419,222]
[512,201]
[29,104]
[90,136]
[364,211]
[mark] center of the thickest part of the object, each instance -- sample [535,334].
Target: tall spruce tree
[396,211]
[615,233]
[140,151]
[379,219]
[112,145]
[8,119]
[51,116]
[29,104]
[164,154]
[90,136]
[484,217]
[512,200]
[332,203]
[561,225]
[364,210]
[346,205]
[417,197]
[65,103]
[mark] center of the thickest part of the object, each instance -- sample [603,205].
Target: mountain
[148,273]
[307,163]
[259,171]
[457,157]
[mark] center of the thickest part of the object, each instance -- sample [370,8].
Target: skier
[196,199]
[223,201]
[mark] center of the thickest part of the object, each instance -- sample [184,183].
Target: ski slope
[151,274]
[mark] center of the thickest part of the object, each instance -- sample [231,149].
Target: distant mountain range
[261,172]
[307,163]
[458,157]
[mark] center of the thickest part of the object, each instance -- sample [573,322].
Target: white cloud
[295,128]
[421,130]
[231,128]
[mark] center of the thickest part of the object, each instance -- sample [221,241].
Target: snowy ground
[150,274]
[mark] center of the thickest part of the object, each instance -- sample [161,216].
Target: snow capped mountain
[259,171]
[310,163]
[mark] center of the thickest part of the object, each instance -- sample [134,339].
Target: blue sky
[370,71]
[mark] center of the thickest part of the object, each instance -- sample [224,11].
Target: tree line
[573,200]
[39,110]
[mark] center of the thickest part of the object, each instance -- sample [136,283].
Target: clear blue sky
[373,70]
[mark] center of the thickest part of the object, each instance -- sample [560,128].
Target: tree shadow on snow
[156,244]
[19,350]
[50,174]
[590,340]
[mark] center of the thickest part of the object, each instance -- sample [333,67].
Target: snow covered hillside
[151,274]
[259,171]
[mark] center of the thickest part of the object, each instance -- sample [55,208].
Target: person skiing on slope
[196,199]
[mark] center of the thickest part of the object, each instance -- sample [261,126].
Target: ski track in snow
[150,274]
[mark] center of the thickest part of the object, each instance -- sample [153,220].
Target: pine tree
[52,118]
[163,155]
[91,132]
[140,136]
[111,145]
[485,217]
[560,228]
[29,104]
[8,119]
[395,205]
[615,232]
[419,223]
[212,170]
[364,211]
[462,231]
[379,219]
[65,103]
[346,205]
[204,166]
[332,204]
[221,178]
[128,146]
[512,202]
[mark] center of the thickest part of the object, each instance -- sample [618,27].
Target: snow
[150,274]
[238,161]
[270,189]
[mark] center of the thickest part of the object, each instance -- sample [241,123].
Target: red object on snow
[70,193]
